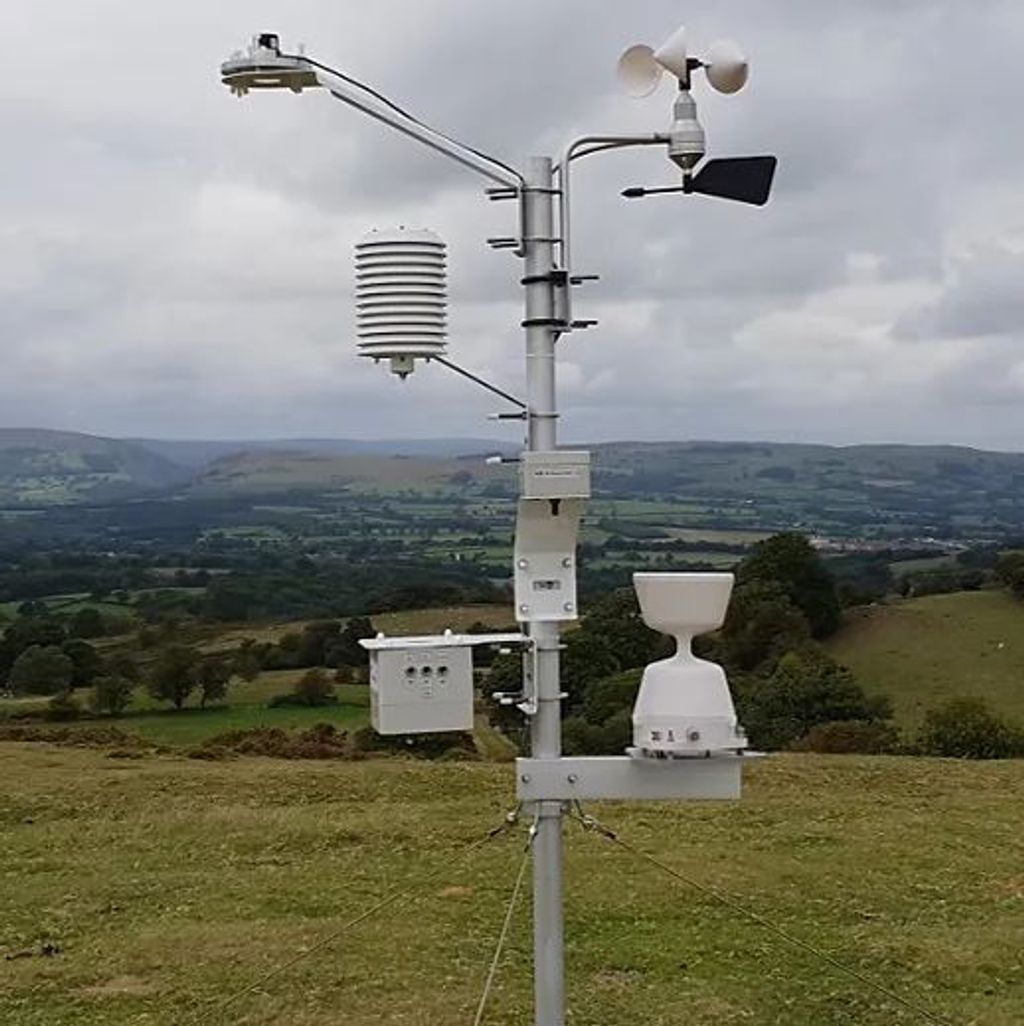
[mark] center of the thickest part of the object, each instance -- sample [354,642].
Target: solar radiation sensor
[262,66]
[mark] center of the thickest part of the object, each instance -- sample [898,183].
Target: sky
[176,262]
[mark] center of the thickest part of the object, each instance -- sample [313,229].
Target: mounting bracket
[620,777]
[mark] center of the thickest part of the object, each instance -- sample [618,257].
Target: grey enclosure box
[421,690]
[564,474]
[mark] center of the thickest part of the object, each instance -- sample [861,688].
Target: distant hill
[268,471]
[200,453]
[924,487]
[867,490]
[39,467]
[923,651]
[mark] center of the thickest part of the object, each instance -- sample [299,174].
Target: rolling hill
[40,467]
[199,453]
[920,652]
[920,486]
[264,472]
[878,491]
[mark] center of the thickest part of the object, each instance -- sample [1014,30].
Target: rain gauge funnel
[684,707]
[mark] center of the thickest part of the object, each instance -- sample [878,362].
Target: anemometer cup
[640,67]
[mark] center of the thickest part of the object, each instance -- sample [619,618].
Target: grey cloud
[175,262]
[986,297]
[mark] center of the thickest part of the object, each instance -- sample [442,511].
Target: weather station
[687,743]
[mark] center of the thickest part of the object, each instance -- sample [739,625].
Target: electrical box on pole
[424,685]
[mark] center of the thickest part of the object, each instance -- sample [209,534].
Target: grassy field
[168,884]
[246,708]
[922,651]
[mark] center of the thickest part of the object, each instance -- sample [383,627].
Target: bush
[850,737]
[112,694]
[313,689]
[423,746]
[807,688]
[612,737]
[290,700]
[965,728]
[321,741]
[62,708]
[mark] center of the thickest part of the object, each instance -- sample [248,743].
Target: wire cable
[591,823]
[506,923]
[402,112]
[480,381]
[389,899]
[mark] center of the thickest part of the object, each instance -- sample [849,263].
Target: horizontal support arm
[583,147]
[342,90]
[627,777]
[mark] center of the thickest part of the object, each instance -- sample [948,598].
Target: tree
[1010,571]
[318,640]
[806,688]
[790,560]
[247,663]
[85,660]
[615,618]
[25,632]
[111,694]
[213,675]
[88,622]
[760,626]
[41,670]
[174,675]
[347,651]
[587,656]
[315,687]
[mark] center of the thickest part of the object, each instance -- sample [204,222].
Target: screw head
[568,607]
[693,735]
[522,563]
[572,778]
[567,562]
[524,608]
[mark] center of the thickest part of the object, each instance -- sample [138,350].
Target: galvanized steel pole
[546,724]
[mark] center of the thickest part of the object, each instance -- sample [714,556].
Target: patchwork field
[925,650]
[160,887]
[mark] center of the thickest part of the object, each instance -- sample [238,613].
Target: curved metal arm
[342,90]
[584,146]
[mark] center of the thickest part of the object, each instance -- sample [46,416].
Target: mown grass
[923,651]
[168,884]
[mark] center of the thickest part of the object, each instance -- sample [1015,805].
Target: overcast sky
[176,262]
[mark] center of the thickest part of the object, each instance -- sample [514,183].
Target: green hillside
[52,468]
[922,651]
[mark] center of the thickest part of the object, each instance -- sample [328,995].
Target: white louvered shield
[401,296]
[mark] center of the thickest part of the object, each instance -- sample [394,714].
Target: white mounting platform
[626,777]
[447,639]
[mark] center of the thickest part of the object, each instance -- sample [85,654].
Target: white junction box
[564,474]
[424,685]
